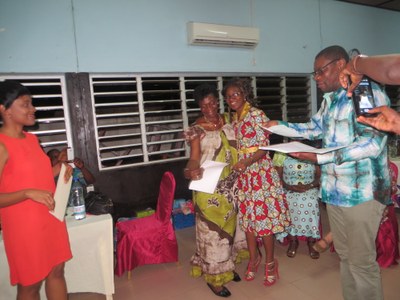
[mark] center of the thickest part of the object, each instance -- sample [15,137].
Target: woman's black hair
[244,85]
[11,90]
[203,90]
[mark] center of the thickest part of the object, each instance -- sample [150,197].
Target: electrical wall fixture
[222,35]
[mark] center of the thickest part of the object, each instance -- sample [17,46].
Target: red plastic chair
[149,240]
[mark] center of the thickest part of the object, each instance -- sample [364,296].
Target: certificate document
[61,195]
[283,130]
[299,147]
[212,171]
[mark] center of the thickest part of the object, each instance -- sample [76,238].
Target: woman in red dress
[35,241]
[263,210]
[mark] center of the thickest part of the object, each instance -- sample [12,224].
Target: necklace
[215,125]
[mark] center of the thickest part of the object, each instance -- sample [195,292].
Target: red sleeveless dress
[35,241]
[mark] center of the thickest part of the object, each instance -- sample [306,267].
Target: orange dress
[35,241]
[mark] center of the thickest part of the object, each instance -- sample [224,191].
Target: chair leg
[129,275]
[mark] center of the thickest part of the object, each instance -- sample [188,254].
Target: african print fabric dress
[262,205]
[304,208]
[218,244]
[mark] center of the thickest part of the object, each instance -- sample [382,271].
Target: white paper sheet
[283,130]
[212,171]
[61,195]
[298,147]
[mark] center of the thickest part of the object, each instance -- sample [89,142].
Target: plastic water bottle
[78,200]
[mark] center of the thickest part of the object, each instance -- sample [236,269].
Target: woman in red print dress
[262,205]
[35,241]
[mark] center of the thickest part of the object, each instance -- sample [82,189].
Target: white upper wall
[150,35]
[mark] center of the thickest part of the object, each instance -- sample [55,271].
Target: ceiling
[385,4]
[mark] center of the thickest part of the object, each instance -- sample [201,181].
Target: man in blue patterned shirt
[355,179]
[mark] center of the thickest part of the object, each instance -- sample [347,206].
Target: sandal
[321,246]
[271,273]
[292,249]
[252,269]
[224,292]
[314,254]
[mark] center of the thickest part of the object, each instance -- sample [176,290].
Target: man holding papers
[354,180]
[212,144]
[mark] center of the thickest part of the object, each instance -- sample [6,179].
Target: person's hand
[301,188]
[41,196]
[305,156]
[241,165]
[62,157]
[270,123]
[387,119]
[193,174]
[298,188]
[348,76]
[78,163]
[68,172]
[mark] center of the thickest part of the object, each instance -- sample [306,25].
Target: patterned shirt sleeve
[368,142]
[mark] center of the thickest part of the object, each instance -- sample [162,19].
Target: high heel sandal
[252,269]
[271,273]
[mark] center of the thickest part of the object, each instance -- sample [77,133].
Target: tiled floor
[302,278]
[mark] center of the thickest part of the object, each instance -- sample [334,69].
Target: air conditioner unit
[222,35]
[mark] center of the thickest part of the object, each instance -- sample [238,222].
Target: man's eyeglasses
[321,70]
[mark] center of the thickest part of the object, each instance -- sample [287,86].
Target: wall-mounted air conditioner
[222,35]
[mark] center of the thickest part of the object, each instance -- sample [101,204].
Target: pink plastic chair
[149,240]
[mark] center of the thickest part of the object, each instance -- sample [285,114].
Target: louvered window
[139,119]
[49,97]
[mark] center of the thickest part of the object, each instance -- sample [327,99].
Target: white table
[92,267]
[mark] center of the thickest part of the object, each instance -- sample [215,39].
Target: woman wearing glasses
[263,210]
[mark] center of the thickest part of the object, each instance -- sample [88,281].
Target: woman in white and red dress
[263,209]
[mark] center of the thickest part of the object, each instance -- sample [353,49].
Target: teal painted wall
[150,35]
